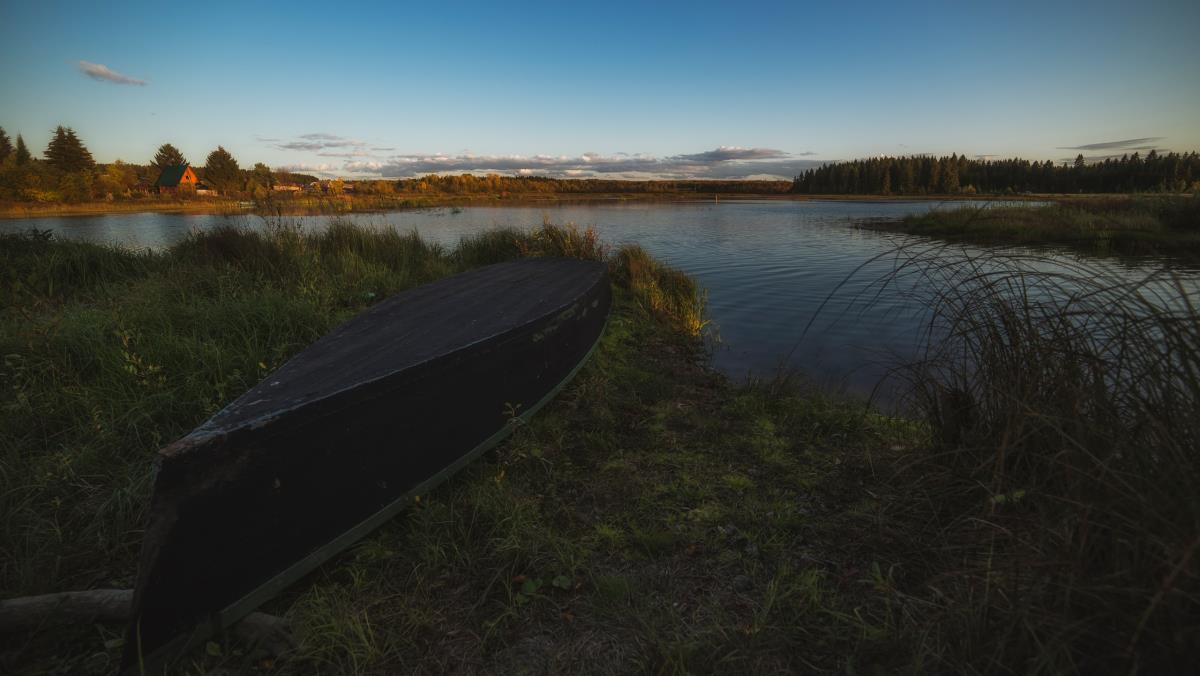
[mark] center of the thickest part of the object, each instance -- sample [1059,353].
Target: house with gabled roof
[175,177]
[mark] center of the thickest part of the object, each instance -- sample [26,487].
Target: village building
[175,177]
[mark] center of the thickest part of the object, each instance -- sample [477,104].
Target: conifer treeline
[922,175]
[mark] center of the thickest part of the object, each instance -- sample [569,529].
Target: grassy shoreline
[656,517]
[1124,225]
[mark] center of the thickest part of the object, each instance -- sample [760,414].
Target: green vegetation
[68,176]
[22,156]
[167,156]
[67,154]
[1066,448]
[1037,515]
[1143,225]
[926,175]
[6,147]
[69,181]
[222,171]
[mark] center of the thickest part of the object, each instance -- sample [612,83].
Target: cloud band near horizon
[1127,144]
[723,162]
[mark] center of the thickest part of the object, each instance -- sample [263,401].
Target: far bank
[327,204]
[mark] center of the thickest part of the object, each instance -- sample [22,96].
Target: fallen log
[55,610]
[36,613]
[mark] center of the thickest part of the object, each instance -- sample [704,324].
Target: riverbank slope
[655,517]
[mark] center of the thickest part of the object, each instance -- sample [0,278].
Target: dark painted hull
[338,439]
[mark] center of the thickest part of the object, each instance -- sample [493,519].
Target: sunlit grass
[1167,225]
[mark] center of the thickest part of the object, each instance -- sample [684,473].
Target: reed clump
[1058,496]
[662,290]
[1167,225]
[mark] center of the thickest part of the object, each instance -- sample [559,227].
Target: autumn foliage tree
[118,179]
[260,181]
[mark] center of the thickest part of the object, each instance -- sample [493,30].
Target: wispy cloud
[1128,144]
[314,142]
[304,167]
[99,71]
[347,155]
[728,153]
[722,162]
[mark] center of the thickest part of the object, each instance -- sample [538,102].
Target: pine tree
[222,170]
[6,147]
[934,179]
[67,153]
[949,182]
[23,156]
[908,180]
[168,156]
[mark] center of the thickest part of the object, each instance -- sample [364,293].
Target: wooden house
[175,177]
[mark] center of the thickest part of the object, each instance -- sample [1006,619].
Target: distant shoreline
[372,203]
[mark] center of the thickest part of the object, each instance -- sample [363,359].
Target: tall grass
[109,354]
[1062,486]
[660,289]
[1133,225]
[32,266]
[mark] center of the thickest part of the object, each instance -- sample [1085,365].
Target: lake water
[788,281]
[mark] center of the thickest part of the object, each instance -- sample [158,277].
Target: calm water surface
[785,280]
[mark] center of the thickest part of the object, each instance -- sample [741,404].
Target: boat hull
[241,510]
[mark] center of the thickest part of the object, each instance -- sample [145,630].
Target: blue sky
[637,89]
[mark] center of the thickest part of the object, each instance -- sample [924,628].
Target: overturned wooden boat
[342,436]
